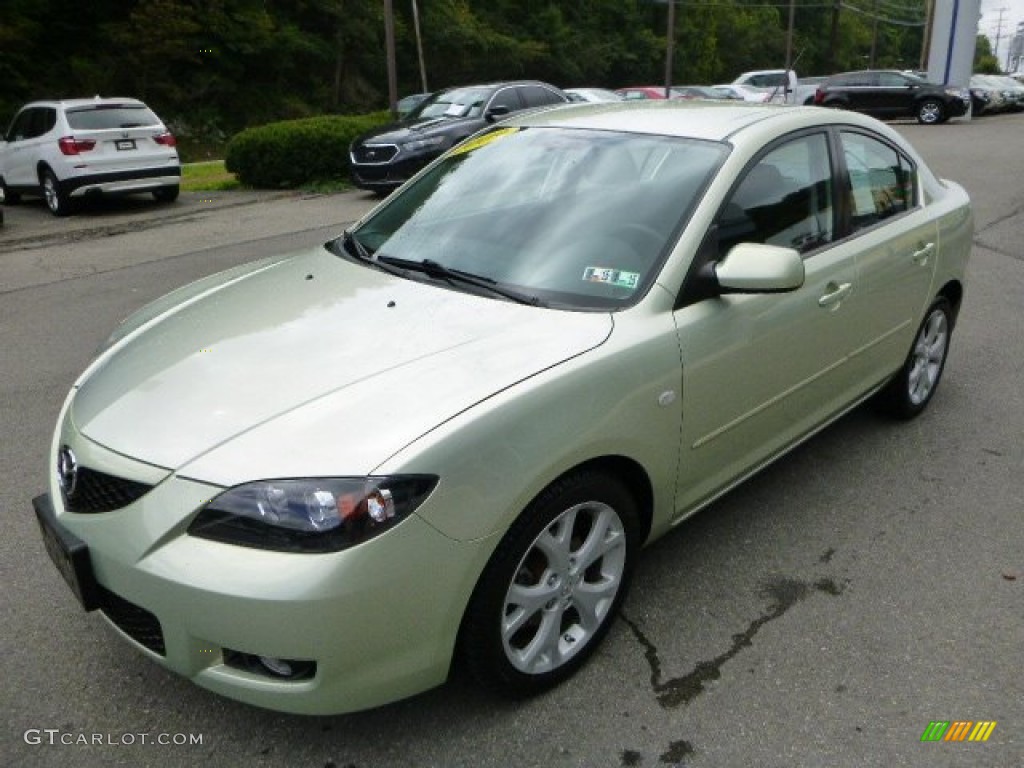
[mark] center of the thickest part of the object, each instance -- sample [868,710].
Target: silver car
[312,482]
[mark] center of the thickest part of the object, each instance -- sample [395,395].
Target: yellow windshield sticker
[480,141]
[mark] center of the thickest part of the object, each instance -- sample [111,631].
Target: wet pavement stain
[782,592]
[677,751]
[631,758]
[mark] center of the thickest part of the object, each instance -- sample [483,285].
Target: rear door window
[539,96]
[881,181]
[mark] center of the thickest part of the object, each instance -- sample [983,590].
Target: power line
[888,20]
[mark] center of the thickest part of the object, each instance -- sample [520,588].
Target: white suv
[68,149]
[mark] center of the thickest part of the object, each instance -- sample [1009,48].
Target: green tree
[984,62]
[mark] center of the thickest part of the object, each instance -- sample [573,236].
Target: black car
[385,158]
[889,94]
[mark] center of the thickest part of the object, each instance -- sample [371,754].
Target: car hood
[313,351]
[397,133]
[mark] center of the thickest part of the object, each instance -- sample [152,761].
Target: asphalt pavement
[822,614]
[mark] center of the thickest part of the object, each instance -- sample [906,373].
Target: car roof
[86,102]
[713,121]
[498,84]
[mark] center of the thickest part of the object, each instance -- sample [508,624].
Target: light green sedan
[314,482]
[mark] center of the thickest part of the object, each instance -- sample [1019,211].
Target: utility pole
[926,44]
[834,37]
[670,35]
[789,35]
[999,32]
[389,48]
[874,32]
[419,45]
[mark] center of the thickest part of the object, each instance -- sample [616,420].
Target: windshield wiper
[434,269]
[354,247]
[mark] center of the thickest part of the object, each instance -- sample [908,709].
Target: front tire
[909,393]
[56,198]
[930,112]
[553,586]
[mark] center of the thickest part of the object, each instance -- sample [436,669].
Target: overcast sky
[1013,14]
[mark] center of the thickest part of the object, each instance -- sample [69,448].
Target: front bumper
[385,177]
[379,620]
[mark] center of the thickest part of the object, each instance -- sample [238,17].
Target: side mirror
[758,268]
[494,113]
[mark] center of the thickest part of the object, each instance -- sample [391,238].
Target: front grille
[136,622]
[99,492]
[374,153]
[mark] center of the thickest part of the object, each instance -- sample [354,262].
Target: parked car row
[996,93]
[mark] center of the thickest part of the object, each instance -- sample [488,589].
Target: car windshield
[575,218]
[105,116]
[459,102]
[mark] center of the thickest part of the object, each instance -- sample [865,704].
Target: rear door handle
[921,254]
[836,293]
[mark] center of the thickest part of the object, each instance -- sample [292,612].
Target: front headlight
[310,515]
[435,142]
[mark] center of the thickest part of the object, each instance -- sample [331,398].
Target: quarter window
[785,199]
[881,181]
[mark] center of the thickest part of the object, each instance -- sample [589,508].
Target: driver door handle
[836,293]
[921,254]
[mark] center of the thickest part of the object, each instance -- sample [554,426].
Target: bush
[292,153]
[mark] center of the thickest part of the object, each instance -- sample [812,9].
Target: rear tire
[553,586]
[166,194]
[910,391]
[56,198]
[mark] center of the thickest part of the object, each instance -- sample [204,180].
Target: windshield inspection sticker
[608,276]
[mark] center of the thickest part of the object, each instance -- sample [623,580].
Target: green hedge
[296,152]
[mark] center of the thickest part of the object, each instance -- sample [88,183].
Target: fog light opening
[271,666]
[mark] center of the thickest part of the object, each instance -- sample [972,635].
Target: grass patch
[209,176]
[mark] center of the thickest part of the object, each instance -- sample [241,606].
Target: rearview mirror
[759,268]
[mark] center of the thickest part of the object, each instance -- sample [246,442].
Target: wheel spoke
[605,535]
[526,601]
[542,652]
[592,600]
[556,540]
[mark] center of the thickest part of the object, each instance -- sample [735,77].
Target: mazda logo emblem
[67,470]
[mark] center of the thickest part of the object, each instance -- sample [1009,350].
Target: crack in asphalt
[783,593]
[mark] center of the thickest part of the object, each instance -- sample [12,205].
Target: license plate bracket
[125,144]
[69,554]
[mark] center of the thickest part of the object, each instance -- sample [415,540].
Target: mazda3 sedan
[314,482]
